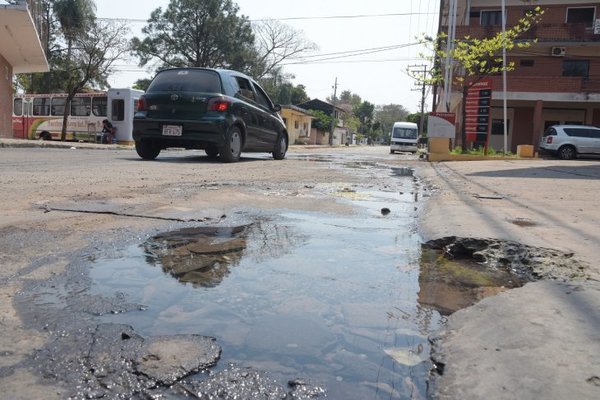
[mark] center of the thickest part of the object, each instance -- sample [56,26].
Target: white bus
[40,116]
[404,137]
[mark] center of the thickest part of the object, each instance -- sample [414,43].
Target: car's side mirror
[276,107]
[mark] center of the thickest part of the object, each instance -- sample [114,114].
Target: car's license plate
[172,130]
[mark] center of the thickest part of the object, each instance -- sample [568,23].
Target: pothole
[458,272]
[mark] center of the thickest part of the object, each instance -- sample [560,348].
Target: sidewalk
[541,341]
[5,142]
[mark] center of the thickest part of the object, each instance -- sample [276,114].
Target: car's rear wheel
[212,151]
[567,152]
[280,147]
[232,149]
[146,150]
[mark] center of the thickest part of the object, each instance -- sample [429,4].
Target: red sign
[477,110]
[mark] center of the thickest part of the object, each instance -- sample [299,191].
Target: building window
[526,63]
[489,18]
[581,15]
[498,127]
[576,68]
[296,124]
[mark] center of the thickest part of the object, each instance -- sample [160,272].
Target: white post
[504,106]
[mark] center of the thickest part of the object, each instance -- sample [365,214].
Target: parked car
[221,111]
[568,141]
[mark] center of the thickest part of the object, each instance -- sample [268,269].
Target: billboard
[477,111]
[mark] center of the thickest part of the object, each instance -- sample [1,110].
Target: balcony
[560,84]
[20,27]
[544,32]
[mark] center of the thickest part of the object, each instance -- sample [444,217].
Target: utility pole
[420,70]
[333,112]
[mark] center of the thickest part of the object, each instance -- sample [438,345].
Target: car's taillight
[549,140]
[219,104]
[141,105]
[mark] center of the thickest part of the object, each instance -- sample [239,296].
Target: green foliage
[142,84]
[322,121]
[195,33]
[74,16]
[480,151]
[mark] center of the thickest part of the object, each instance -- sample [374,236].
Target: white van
[404,137]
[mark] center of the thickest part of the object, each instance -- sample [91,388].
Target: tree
[347,97]
[322,121]
[364,113]
[142,84]
[386,115]
[194,33]
[476,59]
[91,61]
[276,43]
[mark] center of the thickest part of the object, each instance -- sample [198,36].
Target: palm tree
[75,18]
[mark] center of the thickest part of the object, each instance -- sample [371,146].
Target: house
[556,80]
[298,123]
[341,134]
[21,50]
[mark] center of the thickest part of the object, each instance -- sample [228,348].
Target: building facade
[341,134]
[298,123]
[556,80]
[21,50]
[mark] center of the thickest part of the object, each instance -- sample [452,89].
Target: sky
[379,77]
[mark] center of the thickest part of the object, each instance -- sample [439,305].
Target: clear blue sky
[379,77]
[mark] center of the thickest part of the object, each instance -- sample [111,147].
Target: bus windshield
[404,133]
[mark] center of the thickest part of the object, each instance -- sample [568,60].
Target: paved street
[547,203]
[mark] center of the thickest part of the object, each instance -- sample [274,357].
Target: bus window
[18,107]
[58,105]
[118,110]
[99,106]
[80,106]
[41,106]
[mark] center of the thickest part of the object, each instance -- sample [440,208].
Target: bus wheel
[45,135]
[146,150]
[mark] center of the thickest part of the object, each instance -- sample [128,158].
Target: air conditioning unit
[559,51]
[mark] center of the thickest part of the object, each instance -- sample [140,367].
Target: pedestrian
[108,132]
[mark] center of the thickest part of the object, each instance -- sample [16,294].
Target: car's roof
[218,70]
[575,126]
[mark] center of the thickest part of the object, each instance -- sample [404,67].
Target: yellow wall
[298,125]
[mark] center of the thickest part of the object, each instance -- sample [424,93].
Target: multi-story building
[556,80]
[21,50]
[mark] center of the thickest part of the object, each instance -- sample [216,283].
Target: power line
[139,20]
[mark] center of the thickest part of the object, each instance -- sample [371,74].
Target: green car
[221,111]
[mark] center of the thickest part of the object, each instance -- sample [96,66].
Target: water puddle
[330,298]
[345,302]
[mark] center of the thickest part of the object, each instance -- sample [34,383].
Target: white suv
[568,141]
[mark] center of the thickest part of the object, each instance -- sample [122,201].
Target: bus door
[21,116]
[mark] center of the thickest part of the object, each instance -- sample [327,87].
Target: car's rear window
[550,132]
[186,80]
